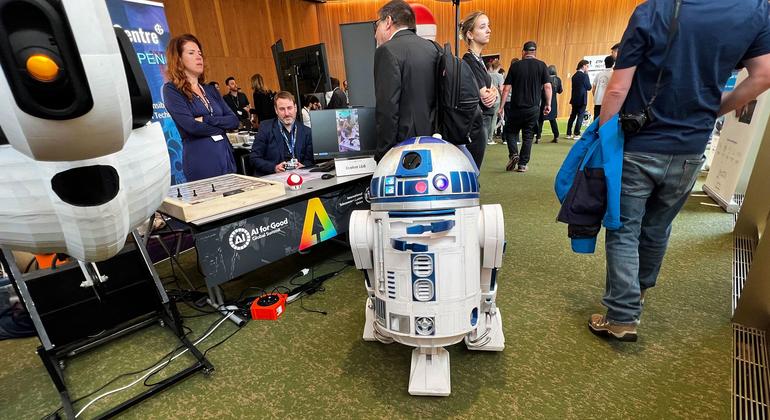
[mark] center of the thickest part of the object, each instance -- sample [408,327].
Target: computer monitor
[311,68]
[340,133]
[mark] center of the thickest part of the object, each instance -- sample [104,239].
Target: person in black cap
[526,80]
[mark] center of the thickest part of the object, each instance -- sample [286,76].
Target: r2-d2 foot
[430,257]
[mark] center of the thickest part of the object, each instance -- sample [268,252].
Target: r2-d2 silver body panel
[430,256]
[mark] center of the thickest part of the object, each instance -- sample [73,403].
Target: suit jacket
[237,105]
[581,84]
[206,152]
[405,89]
[269,147]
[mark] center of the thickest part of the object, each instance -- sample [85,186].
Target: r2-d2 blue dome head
[424,173]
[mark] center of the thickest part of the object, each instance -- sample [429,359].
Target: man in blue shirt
[662,160]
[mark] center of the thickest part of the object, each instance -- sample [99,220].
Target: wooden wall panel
[565,30]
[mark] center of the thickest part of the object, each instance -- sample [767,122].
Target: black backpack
[457,97]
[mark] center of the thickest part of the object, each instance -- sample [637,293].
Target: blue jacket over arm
[588,184]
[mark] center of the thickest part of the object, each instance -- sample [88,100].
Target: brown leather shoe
[601,326]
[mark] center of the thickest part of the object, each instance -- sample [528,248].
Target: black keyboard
[322,168]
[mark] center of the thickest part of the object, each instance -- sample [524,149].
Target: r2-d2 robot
[430,257]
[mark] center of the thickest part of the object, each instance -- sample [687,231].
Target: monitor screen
[309,66]
[344,132]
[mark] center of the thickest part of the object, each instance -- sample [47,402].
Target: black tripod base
[54,361]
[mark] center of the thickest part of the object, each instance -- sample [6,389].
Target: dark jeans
[579,112]
[479,139]
[524,120]
[509,136]
[554,128]
[597,111]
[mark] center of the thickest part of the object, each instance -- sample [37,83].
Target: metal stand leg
[217,302]
[51,363]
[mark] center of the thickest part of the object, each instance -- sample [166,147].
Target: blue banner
[145,24]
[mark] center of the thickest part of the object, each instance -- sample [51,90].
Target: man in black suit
[338,98]
[581,84]
[281,142]
[404,78]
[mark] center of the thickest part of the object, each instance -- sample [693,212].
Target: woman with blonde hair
[263,100]
[475,30]
[198,111]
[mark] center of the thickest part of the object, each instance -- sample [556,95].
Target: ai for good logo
[240,239]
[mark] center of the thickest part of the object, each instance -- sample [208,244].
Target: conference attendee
[495,72]
[581,84]
[214,84]
[504,111]
[262,100]
[600,84]
[346,91]
[614,51]
[404,78]
[281,142]
[527,79]
[662,159]
[475,30]
[237,101]
[556,89]
[199,112]
[338,99]
[311,103]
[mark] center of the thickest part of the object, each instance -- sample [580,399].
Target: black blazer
[405,89]
[483,79]
[581,84]
[237,105]
[269,147]
[338,100]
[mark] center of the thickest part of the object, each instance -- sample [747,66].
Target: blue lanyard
[293,138]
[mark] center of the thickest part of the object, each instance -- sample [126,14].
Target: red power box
[268,307]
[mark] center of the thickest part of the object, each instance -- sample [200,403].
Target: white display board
[595,65]
[736,151]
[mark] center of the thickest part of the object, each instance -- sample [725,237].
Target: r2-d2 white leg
[430,372]
[488,336]
[369,324]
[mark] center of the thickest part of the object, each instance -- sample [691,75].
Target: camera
[633,123]
[291,164]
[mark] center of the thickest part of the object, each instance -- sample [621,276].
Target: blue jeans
[653,190]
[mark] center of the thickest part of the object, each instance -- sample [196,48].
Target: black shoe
[556,140]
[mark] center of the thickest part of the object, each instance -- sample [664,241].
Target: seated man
[281,142]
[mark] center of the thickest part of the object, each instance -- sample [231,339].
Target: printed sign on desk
[145,25]
[228,251]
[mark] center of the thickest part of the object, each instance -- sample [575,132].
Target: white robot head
[424,173]
[76,178]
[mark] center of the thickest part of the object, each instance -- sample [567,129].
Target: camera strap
[672,30]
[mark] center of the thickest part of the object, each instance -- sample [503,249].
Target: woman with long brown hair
[476,30]
[198,110]
[263,100]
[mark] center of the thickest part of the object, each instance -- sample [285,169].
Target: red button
[421,187]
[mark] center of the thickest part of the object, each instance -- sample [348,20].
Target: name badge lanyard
[205,101]
[293,140]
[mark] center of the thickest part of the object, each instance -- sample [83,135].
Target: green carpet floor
[313,366]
